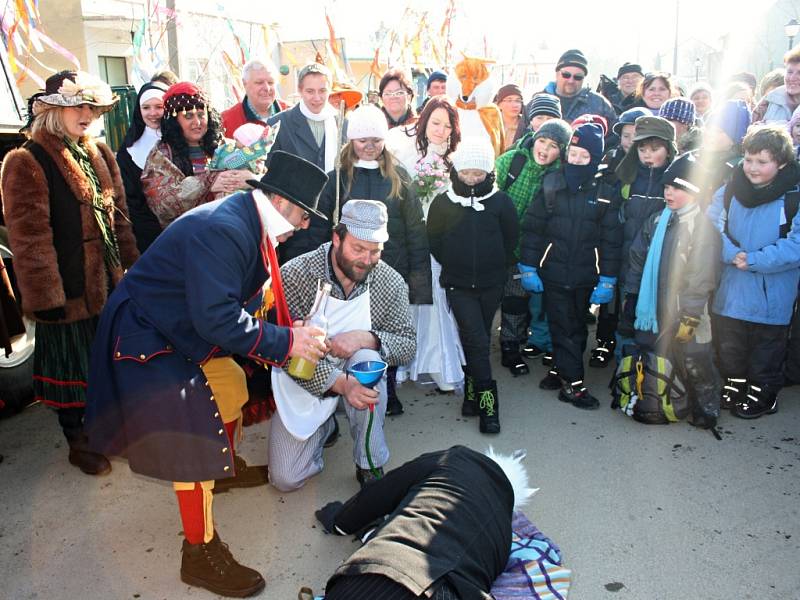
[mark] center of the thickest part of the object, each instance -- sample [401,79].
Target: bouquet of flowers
[431,176]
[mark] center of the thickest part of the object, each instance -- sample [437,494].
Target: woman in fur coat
[64,205]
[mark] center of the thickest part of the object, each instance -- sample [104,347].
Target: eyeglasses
[397,94]
[306,216]
[576,76]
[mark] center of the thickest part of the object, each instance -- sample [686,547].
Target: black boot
[732,392]
[511,358]
[488,407]
[758,401]
[469,408]
[393,405]
[602,354]
[551,381]
[577,394]
[211,566]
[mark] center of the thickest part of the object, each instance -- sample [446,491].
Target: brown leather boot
[212,566]
[87,461]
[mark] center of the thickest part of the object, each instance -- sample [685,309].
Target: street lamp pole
[697,64]
[791,29]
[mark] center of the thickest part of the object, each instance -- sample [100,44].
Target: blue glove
[531,281]
[604,290]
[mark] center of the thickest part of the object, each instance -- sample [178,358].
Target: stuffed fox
[472,91]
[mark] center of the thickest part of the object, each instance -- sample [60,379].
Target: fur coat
[53,232]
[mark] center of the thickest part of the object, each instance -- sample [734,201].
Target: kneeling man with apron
[368,319]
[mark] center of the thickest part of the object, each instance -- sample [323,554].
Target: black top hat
[293,178]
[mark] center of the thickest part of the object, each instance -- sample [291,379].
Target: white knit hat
[473,153]
[367,122]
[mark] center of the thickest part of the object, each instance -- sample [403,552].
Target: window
[113,70]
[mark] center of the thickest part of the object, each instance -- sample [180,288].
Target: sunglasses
[576,76]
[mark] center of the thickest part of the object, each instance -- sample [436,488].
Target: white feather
[516,473]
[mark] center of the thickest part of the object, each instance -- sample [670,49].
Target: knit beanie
[436,76]
[367,121]
[733,117]
[573,58]
[589,136]
[248,134]
[684,173]
[587,118]
[473,153]
[629,68]
[678,109]
[507,90]
[544,104]
[557,130]
[629,118]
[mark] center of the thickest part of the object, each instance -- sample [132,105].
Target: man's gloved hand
[531,281]
[686,329]
[327,516]
[628,317]
[604,290]
[51,314]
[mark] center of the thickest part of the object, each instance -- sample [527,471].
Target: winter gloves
[531,281]
[686,329]
[604,290]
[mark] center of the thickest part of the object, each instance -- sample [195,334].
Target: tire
[16,388]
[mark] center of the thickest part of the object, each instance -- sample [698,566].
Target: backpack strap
[514,169]
[551,184]
[791,203]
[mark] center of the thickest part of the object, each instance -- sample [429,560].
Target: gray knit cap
[557,130]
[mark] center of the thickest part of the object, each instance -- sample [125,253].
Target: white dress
[439,352]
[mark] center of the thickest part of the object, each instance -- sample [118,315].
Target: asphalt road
[640,512]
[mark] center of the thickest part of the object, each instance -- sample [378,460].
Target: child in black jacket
[472,232]
[571,249]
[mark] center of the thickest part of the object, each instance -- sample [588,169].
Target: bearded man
[368,319]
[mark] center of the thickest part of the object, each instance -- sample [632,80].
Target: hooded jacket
[767,290]
[573,239]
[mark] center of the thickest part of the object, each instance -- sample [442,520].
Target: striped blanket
[534,570]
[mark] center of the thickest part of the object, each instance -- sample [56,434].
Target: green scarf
[101,213]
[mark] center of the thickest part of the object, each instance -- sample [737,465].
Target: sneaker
[551,381]
[547,359]
[576,394]
[532,351]
[756,403]
[365,476]
[245,476]
[601,356]
[211,566]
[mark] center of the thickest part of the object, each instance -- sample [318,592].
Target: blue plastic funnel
[368,372]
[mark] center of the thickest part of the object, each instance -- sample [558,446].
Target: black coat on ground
[449,517]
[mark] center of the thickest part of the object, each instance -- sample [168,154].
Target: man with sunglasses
[577,100]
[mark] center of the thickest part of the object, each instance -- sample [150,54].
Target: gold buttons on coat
[224,450]
[221,431]
[118,354]
[216,414]
[142,357]
[227,468]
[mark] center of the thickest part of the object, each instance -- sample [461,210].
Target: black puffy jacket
[474,247]
[571,238]
[644,197]
[407,249]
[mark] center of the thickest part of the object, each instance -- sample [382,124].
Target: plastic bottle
[302,368]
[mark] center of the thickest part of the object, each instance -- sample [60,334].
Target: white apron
[301,412]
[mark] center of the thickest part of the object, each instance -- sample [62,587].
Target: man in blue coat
[164,389]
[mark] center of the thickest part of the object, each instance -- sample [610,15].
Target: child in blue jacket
[757,215]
